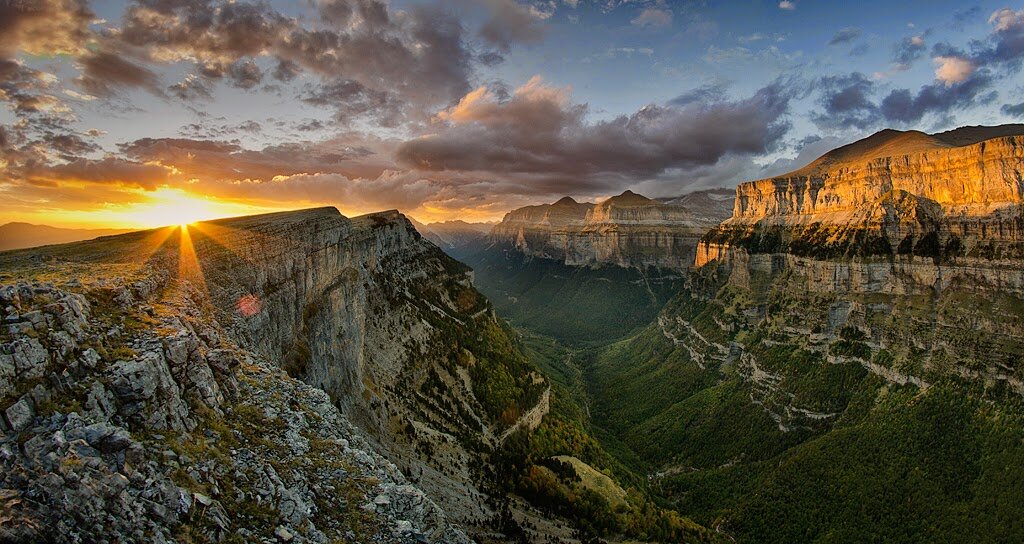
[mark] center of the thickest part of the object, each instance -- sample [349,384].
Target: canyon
[709,367]
[849,321]
[587,272]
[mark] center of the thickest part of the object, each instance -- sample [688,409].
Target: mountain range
[829,355]
[23,235]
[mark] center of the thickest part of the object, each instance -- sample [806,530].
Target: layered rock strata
[901,254]
[628,230]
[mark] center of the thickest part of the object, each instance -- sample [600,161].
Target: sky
[143,113]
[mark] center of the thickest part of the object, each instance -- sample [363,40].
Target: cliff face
[966,180]
[628,230]
[210,347]
[912,241]
[946,196]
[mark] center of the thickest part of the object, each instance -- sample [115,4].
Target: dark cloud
[964,78]
[490,58]
[1013,110]
[419,58]
[211,160]
[510,22]
[104,73]
[1005,46]
[286,70]
[191,88]
[336,12]
[965,16]
[845,35]
[209,33]
[310,125]
[702,94]
[901,105]
[908,50]
[846,101]
[351,100]
[28,91]
[849,101]
[539,131]
[69,146]
[245,74]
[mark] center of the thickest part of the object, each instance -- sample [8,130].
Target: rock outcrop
[628,230]
[292,377]
[901,253]
[942,196]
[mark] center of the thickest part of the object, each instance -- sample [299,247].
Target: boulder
[30,358]
[19,415]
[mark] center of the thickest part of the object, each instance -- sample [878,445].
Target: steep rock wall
[363,309]
[969,180]
[628,230]
[367,310]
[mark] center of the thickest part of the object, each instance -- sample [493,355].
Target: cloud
[245,74]
[1006,43]
[419,55]
[1013,110]
[962,17]
[846,102]
[953,70]
[787,5]
[352,100]
[964,78]
[109,170]
[540,131]
[510,22]
[26,90]
[703,94]
[44,27]
[105,73]
[191,88]
[653,17]
[845,35]
[908,50]
[901,105]
[213,160]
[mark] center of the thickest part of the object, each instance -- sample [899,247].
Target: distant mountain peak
[629,198]
[566,201]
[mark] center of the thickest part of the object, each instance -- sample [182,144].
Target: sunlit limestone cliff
[298,376]
[857,325]
[947,195]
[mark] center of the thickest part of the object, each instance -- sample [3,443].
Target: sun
[175,207]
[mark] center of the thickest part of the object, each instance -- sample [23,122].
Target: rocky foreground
[169,385]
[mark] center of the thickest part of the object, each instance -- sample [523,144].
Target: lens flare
[249,305]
